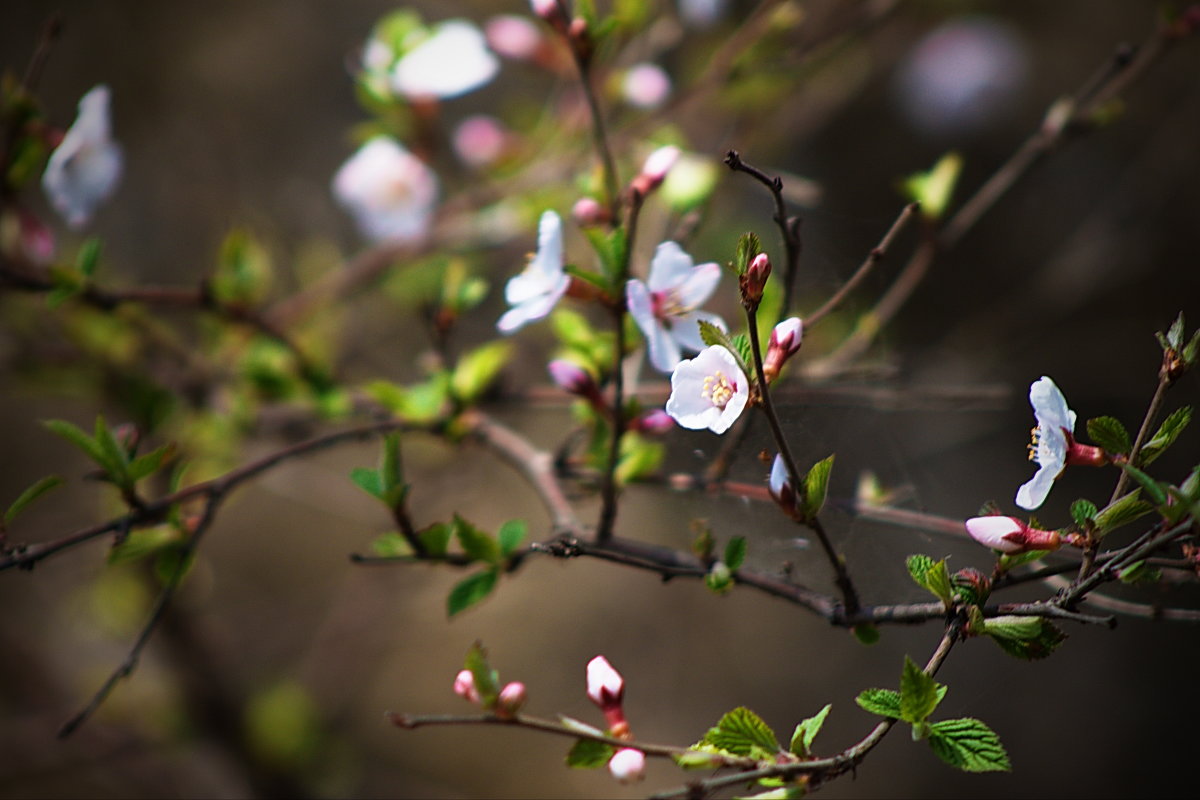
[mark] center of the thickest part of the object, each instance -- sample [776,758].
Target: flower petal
[685,328]
[699,284]
[453,61]
[1049,405]
[1033,492]
[669,268]
[85,167]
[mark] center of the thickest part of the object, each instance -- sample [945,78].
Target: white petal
[85,167]
[685,328]
[549,258]
[669,268]
[991,530]
[699,284]
[1049,405]
[779,476]
[389,191]
[534,308]
[663,351]
[1033,492]
[453,61]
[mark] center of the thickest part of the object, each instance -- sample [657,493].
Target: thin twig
[789,227]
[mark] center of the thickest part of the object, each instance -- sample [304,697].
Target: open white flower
[1051,441]
[454,60]
[85,167]
[389,191]
[534,292]
[664,307]
[708,391]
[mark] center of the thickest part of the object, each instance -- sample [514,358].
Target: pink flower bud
[605,686]
[784,342]
[655,170]
[548,10]
[464,686]
[628,765]
[654,422]
[780,486]
[646,86]
[1010,535]
[513,36]
[588,213]
[755,280]
[512,697]
[571,377]
[479,140]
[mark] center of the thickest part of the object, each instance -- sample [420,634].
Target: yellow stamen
[718,390]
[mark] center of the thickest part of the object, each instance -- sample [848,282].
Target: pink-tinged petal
[991,531]
[533,309]
[627,765]
[605,686]
[685,328]
[699,284]
[464,686]
[669,268]
[708,391]
[663,351]
[646,86]
[389,191]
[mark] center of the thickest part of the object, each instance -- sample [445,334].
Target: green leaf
[589,754]
[934,188]
[816,486]
[638,458]
[173,563]
[1166,435]
[391,471]
[969,745]
[748,246]
[1007,562]
[475,543]
[807,730]
[476,370]
[487,680]
[790,792]
[1110,434]
[710,334]
[884,702]
[391,545]
[436,538]
[697,759]
[735,552]
[919,693]
[115,453]
[149,463]
[1175,332]
[88,257]
[77,437]
[1139,572]
[1121,511]
[742,732]
[420,403]
[1155,490]
[510,536]
[866,632]
[141,543]
[368,480]
[470,591]
[243,273]
[31,494]
[1028,638]
[1083,511]
[932,576]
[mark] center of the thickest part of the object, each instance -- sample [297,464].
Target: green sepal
[39,488]
[806,732]
[1028,638]
[919,693]
[589,754]
[741,732]
[1110,434]
[1011,561]
[735,552]
[884,702]
[487,680]
[476,370]
[969,745]
[471,590]
[1165,436]
[932,576]
[816,487]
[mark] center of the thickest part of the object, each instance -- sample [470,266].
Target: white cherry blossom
[85,167]
[1051,441]
[665,306]
[389,191]
[708,391]
[533,293]
[454,60]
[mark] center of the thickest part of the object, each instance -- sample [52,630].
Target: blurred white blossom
[454,60]
[535,291]
[85,167]
[646,86]
[389,191]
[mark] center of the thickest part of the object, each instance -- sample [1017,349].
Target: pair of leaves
[932,576]
[386,482]
[720,576]
[118,463]
[967,744]
[742,733]
[1111,435]
[479,546]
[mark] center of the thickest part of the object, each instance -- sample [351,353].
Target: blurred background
[273,674]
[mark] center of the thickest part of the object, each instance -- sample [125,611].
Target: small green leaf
[748,246]
[919,693]
[510,536]
[884,702]
[1175,332]
[743,733]
[368,480]
[1028,638]
[589,754]
[76,436]
[1121,511]
[470,591]
[806,731]
[141,543]
[1083,511]
[1110,434]
[698,759]
[476,370]
[475,543]
[31,494]
[934,188]
[391,545]
[391,470]
[1007,562]
[436,538]
[243,272]
[866,632]
[1139,572]
[173,563]
[149,463]
[719,578]
[1166,435]
[816,486]
[1155,490]
[969,745]
[487,680]
[114,452]
[574,725]
[735,552]
[638,458]
[88,257]
[932,576]
[789,792]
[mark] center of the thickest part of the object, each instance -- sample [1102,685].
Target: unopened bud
[627,765]
[464,686]
[588,213]
[785,341]
[513,36]
[754,280]
[1010,535]
[574,379]
[551,12]
[511,698]
[654,422]
[655,170]
[780,487]
[606,688]
[972,584]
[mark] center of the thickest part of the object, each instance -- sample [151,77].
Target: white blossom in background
[454,60]
[85,167]
[702,13]
[479,140]
[665,306]
[533,293]
[1051,441]
[646,86]
[708,391]
[389,191]
[513,36]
